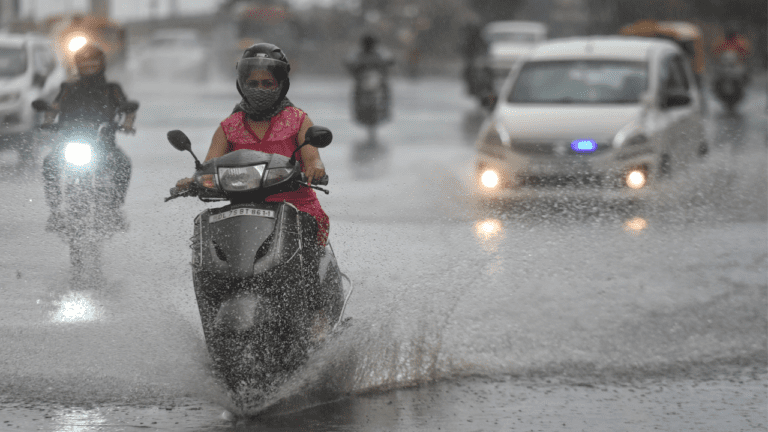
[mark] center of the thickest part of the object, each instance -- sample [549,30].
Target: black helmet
[264,56]
[89,52]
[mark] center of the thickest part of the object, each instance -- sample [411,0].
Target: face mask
[260,99]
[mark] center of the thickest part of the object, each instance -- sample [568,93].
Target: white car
[29,70]
[509,41]
[613,112]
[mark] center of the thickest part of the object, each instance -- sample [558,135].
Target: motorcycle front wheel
[85,255]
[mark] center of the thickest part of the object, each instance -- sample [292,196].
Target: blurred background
[426,36]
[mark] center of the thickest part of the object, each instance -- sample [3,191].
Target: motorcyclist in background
[731,69]
[734,42]
[86,101]
[370,57]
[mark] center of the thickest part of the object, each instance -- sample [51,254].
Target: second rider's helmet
[264,56]
[90,60]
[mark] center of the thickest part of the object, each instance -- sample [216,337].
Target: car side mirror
[39,79]
[675,99]
[489,101]
[40,105]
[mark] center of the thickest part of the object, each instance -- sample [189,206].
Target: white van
[29,70]
[508,41]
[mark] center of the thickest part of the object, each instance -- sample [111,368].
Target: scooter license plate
[241,212]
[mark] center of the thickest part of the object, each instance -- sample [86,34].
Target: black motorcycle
[82,175]
[264,296]
[731,78]
[371,100]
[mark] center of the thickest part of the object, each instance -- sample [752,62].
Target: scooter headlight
[78,153]
[276,175]
[241,179]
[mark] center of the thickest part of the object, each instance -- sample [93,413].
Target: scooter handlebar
[322,181]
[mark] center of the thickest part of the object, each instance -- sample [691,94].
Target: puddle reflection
[76,307]
[635,225]
[488,229]
[82,421]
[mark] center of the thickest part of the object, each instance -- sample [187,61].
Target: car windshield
[580,81]
[518,37]
[13,61]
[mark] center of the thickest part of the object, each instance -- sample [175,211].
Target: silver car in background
[610,112]
[29,70]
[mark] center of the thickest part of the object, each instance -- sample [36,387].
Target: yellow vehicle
[687,35]
[71,33]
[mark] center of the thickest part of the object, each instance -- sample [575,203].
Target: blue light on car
[584,146]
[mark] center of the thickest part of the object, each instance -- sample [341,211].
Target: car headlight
[240,179]
[489,178]
[276,175]
[10,97]
[78,153]
[636,179]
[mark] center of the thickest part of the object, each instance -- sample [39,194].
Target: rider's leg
[313,252]
[121,175]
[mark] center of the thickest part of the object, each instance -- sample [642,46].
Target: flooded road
[567,314]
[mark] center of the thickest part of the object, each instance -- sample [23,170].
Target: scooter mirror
[40,105]
[179,140]
[319,136]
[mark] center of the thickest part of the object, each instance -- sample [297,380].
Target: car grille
[582,180]
[554,148]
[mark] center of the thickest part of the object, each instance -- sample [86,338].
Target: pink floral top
[281,138]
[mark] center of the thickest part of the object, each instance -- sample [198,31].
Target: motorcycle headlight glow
[78,153]
[276,175]
[76,43]
[239,179]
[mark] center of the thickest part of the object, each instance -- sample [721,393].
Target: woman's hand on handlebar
[184,184]
[314,170]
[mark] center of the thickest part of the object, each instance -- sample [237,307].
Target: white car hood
[556,122]
[510,49]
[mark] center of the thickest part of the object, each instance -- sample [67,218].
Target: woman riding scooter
[267,121]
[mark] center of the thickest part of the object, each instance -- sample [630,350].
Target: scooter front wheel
[84,254]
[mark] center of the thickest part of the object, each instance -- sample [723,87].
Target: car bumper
[605,175]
